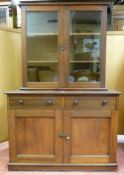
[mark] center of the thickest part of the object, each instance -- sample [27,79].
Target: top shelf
[41,34]
[86,34]
[55,34]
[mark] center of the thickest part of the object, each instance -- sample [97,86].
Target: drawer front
[20,102]
[90,102]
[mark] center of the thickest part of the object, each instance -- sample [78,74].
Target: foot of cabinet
[62,167]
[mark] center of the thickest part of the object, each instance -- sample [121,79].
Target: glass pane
[43,72]
[85,46]
[42,53]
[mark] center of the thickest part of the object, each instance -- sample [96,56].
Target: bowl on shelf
[83,79]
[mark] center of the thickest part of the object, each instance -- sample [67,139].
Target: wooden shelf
[88,73]
[84,61]
[41,34]
[55,34]
[86,34]
[35,62]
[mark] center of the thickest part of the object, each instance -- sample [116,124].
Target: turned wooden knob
[76,102]
[50,102]
[21,102]
[104,102]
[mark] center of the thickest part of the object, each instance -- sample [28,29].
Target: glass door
[42,56]
[64,46]
[85,45]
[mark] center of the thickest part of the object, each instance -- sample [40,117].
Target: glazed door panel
[35,137]
[85,38]
[89,137]
[42,43]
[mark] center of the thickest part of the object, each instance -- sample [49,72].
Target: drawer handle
[76,102]
[104,102]
[50,102]
[21,102]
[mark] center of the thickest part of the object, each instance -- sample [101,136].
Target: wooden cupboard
[63,118]
[62,130]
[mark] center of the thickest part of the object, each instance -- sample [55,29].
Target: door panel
[90,137]
[33,138]
[88,129]
[36,136]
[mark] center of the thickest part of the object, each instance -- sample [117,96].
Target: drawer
[21,102]
[90,102]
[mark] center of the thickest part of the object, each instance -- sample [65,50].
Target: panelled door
[90,136]
[34,136]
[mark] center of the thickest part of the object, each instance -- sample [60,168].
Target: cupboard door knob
[67,138]
[50,102]
[76,102]
[104,102]
[21,102]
